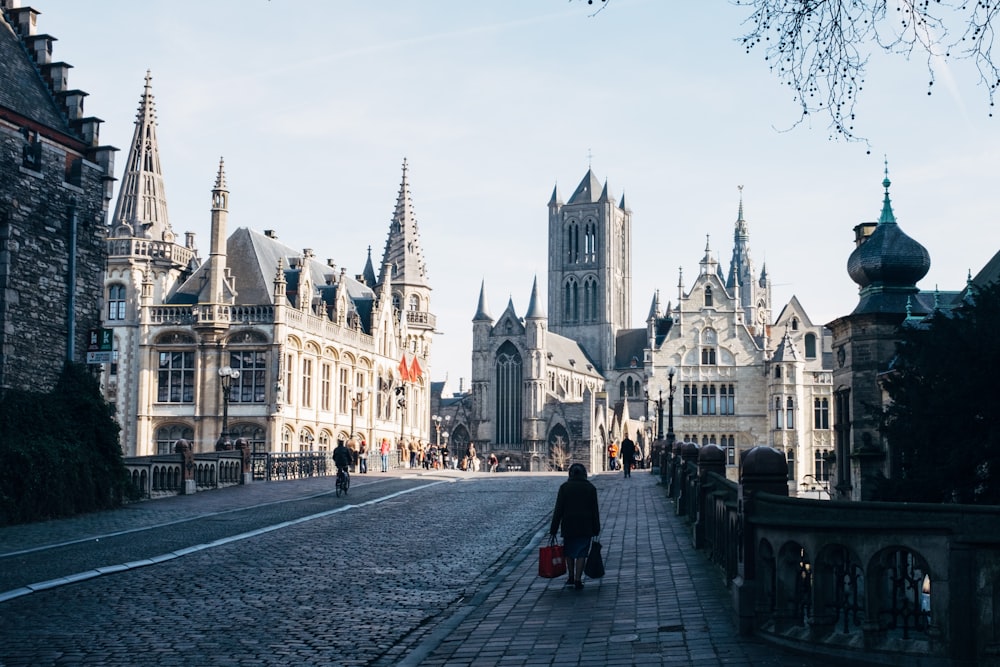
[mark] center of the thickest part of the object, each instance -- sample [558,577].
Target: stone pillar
[763,469]
[711,458]
[183,447]
[243,446]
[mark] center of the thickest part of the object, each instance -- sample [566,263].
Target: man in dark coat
[628,455]
[577,512]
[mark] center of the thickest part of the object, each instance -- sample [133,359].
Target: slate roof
[22,89]
[562,351]
[630,343]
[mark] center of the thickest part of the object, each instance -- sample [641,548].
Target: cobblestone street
[435,569]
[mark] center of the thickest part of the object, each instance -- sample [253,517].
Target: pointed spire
[141,210]
[654,307]
[534,304]
[887,215]
[369,270]
[624,206]
[556,200]
[482,310]
[402,246]
[606,195]
[220,178]
[588,191]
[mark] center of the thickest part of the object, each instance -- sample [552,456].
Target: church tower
[590,268]
[403,264]
[144,258]
[753,293]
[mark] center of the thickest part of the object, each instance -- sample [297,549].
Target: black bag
[594,567]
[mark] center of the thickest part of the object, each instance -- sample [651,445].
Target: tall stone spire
[402,246]
[141,210]
[742,279]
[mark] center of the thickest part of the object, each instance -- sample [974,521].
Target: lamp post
[670,409]
[357,398]
[226,376]
[444,451]
[401,404]
[437,427]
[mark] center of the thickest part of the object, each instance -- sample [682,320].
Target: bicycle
[343,482]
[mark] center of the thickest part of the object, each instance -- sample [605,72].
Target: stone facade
[55,181]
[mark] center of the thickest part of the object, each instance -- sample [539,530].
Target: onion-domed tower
[886,264]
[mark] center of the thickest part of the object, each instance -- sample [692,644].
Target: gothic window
[810,342]
[727,399]
[777,372]
[708,398]
[790,413]
[708,356]
[690,399]
[708,297]
[396,304]
[175,377]
[821,413]
[795,324]
[289,376]
[251,385]
[413,303]
[116,302]
[307,377]
[325,387]
[572,243]
[252,433]
[344,394]
[286,440]
[621,389]
[590,297]
[571,301]
[168,435]
[778,414]
[508,395]
[790,458]
[730,445]
[324,441]
[590,242]
[821,465]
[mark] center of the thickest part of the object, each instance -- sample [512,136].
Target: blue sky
[315,103]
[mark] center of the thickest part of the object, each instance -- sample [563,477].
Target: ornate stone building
[55,185]
[259,341]
[546,397]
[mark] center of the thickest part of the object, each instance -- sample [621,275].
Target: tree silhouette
[821,48]
[942,425]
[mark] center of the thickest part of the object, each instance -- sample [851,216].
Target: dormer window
[708,297]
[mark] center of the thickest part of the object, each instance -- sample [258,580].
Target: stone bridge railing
[893,583]
[188,472]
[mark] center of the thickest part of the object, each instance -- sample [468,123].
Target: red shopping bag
[551,563]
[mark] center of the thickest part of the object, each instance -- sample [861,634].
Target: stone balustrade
[892,583]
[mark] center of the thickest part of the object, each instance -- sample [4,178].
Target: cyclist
[342,459]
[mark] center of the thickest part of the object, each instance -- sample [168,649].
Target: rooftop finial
[220,179]
[887,215]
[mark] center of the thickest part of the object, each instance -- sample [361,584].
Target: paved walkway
[661,602]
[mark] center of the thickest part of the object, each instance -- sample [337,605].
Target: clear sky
[315,103]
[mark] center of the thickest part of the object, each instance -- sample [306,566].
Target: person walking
[578,516]
[384,451]
[493,462]
[613,455]
[628,455]
[363,458]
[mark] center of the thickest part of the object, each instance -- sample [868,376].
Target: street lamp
[437,427]
[670,406]
[226,376]
[357,399]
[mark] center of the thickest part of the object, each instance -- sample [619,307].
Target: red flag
[404,375]
[415,370]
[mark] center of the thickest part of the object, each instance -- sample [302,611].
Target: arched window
[778,416]
[621,389]
[116,302]
[590,300]
[821,413]
[413,303]
[795,324]
[572,243]
[708,297]
[168,435]
[810,346]
[571,301]
[508,369]
[790,413]
[590,243]
[777,371]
